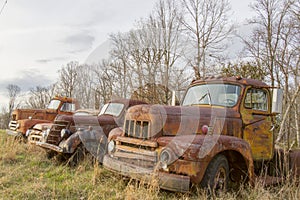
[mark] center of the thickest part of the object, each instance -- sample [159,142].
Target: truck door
[257,122]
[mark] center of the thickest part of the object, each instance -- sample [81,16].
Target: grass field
[26,173]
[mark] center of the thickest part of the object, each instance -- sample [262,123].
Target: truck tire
[20,138]
[50,154]
[217,174]
[77,156]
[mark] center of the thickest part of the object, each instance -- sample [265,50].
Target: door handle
[272,127]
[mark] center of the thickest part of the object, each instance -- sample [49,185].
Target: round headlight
[111,147]
[63,132]
[166,157]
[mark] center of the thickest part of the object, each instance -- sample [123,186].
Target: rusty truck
[24,119]
[39,131]
[70,137]
[221,135]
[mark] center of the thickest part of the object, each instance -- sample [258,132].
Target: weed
[26,173]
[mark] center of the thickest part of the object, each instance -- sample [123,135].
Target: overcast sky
[38,37]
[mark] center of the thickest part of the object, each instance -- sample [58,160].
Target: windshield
[212,94]
[113,109]
[53,104]
[68,107]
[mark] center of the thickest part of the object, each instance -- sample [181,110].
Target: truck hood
[42,126]
[33,113]
[185,120]
[88,120]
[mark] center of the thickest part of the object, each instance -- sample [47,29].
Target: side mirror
[277,101]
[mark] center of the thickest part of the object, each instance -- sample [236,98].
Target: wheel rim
[220,179]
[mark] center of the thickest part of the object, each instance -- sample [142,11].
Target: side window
[68,107]
[256,99]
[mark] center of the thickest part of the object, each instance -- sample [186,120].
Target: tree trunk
[297,126]
[285,116]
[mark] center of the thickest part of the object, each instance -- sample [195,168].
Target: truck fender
[30,123]
[203,148]
[114,133]
[71,143]
[94,141]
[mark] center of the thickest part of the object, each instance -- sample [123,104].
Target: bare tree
[295,17]
[13,92]
[104,81]
[274,45]
[149,54]
[83,89]
[285,116]
[207,26]
[153,93]
[168,20]
[120,65]
[40,97]
[266,39]
[4,118]
[68,78]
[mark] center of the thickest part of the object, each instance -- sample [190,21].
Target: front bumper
[50,147]
[11,132]
[172,182]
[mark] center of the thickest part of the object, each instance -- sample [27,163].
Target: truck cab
[71,134]
[24,119]
[221,133]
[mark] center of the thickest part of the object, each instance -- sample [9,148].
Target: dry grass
[26,173]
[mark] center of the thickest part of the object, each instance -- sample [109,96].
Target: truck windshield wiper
[203,96]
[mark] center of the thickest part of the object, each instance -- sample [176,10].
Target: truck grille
[137,129]
[35,136]
[54,134]
[13,125]
[136,151]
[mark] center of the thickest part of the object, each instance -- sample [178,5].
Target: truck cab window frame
[214,94]
[257,99]
[68,107]
[53,104]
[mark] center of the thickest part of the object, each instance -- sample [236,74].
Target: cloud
[79,42]
[27,79]
[48,60]
[43,60]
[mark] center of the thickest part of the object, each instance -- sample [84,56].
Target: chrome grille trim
[13,125]
[137,129]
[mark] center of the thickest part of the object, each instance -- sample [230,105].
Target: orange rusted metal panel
[24,119]
[257,129]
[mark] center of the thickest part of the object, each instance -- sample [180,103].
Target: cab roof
[236,80]
[130,102]
[64,99]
